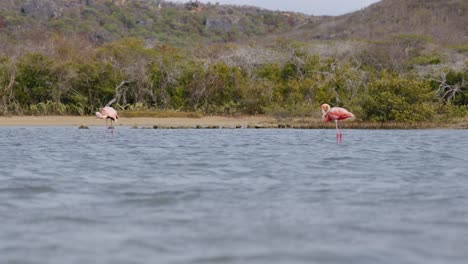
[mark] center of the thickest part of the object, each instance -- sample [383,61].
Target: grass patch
[160,114]
[413,38]
[460,48]
[425,60]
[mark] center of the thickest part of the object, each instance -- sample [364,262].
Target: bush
[394,98]
[34,79]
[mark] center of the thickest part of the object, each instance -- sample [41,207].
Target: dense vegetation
[217,80]
[400,78]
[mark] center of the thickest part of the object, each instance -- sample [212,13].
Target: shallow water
[233,196]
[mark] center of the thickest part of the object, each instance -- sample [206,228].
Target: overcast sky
[311,7]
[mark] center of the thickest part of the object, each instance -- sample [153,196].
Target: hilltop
[442,21]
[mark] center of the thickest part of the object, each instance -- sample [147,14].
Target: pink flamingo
[335,114]
[108,112]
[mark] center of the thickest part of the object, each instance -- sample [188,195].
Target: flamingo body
[335,114]
[108,113]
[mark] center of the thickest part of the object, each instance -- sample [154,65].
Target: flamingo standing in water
[108,112]
[335,114]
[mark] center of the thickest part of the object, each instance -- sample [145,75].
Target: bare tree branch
[118,92]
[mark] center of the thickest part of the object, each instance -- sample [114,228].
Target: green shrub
[394,98]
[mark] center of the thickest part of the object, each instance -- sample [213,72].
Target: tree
[451,86]
[8,73]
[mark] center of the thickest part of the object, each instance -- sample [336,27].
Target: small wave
[28,190]
[159,199]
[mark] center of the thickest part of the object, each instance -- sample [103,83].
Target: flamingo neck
[99,115]
[325,109]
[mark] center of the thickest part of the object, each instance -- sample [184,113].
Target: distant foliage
[221,79]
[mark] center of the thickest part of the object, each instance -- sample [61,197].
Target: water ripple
[232,196]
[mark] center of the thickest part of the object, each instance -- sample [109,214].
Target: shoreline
[181,122]
[260,121]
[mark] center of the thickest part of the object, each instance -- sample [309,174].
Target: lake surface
[233,196]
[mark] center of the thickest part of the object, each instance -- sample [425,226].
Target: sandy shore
[207,121]
[219,122]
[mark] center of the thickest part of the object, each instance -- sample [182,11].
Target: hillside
[156,21]
[182,25]
[442,21]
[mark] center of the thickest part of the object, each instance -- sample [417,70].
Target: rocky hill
[170,23]
[441,20]
[154,20]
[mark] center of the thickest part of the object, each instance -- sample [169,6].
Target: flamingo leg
[337,132]
[112,128]
[341,134]
[106,128]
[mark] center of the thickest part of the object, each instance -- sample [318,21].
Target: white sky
[311,7]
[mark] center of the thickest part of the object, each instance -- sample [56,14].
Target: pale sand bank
[218,121]
[140,121]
